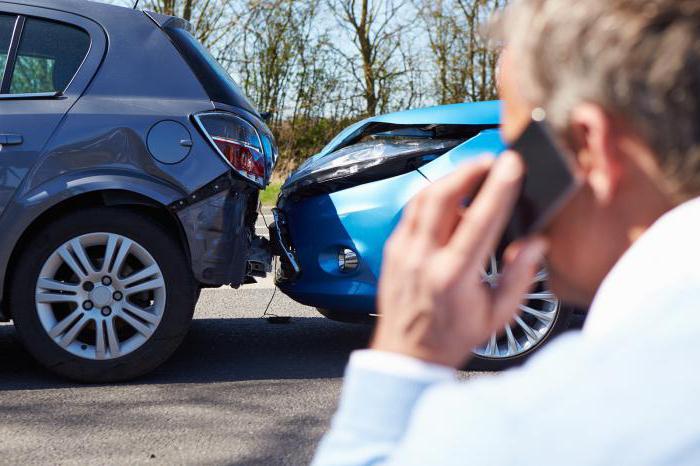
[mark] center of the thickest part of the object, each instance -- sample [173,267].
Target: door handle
[10,139]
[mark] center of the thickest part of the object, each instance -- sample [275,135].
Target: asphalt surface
[239,390]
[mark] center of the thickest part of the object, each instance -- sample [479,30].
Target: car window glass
[49,56]
[216,80]
[7,25]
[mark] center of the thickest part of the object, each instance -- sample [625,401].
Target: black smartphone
[550,180]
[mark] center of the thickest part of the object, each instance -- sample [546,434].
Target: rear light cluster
[238,142]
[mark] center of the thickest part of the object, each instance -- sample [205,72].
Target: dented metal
[220,232]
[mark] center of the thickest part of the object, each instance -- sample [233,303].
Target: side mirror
[267,116]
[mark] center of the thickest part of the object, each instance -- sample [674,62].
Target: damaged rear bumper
[219,223]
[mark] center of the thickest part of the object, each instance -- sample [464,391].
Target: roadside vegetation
[319,65]
[268,197]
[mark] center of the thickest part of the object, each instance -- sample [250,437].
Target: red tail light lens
[238,142]
[248,161]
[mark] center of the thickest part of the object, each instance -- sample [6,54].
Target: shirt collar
[659,266]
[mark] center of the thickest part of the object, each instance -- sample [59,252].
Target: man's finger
[517,280]
[411,214]
[444,200]
[481,227]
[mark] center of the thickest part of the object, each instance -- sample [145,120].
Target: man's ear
[592,134]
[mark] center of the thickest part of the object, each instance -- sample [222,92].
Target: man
[619,81]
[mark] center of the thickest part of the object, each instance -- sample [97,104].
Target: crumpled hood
[388,145]
[372,153]
[473,113]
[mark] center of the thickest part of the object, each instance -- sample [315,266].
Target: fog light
[348,260]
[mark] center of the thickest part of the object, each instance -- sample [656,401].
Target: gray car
[130,168]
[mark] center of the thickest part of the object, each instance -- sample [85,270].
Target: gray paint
[94,136]
[218,237]
[169,142]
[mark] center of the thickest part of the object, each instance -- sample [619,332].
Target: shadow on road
[220,350]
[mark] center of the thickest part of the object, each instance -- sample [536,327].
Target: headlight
[367,161]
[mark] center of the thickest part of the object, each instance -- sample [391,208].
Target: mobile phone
[550,180]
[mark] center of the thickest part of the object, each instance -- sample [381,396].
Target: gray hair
[637,59]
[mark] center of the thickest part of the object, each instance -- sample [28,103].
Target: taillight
[238,142]
[241,157]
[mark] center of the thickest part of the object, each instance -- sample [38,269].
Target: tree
[375,32]
[465,66]
[212,19]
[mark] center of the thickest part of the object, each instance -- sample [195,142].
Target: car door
[47,59]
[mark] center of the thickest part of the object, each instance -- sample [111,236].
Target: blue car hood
[482,117]
[476,113]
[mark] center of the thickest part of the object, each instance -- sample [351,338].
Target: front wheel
[542,316]
[102,295]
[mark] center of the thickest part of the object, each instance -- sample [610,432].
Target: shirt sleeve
[399,365]
[379,395]
[401,411]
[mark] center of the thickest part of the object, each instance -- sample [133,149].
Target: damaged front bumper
[313,231]
[281,246]
[219,223]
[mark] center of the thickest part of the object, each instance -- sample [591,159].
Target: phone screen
[549,180]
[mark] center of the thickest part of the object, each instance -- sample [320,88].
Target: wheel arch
[106,197]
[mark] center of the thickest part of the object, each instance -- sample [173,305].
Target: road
[239,390]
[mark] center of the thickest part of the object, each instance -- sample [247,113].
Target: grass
[269,196]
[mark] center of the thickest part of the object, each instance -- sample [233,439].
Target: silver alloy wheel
[536,319]
[100,296]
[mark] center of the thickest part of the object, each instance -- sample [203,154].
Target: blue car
[337,210]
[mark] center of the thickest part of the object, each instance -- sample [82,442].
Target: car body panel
[36,120]
[487,142]
[359,218]
[363,217]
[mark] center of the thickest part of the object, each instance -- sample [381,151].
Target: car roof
[87,8]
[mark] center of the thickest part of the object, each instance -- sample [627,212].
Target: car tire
[561,324]
[542,317]
[160,315]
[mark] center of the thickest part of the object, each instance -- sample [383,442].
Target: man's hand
[432,302]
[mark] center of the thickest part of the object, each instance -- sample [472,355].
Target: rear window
[7,25]
[49,55]
[218,83]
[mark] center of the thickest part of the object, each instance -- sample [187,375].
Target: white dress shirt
[624,390]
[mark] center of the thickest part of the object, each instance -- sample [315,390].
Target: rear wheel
[102,295]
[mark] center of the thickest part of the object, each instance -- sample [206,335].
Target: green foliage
[301,138]
[268,197]
[32,74]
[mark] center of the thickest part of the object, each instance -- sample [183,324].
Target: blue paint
[364,216]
